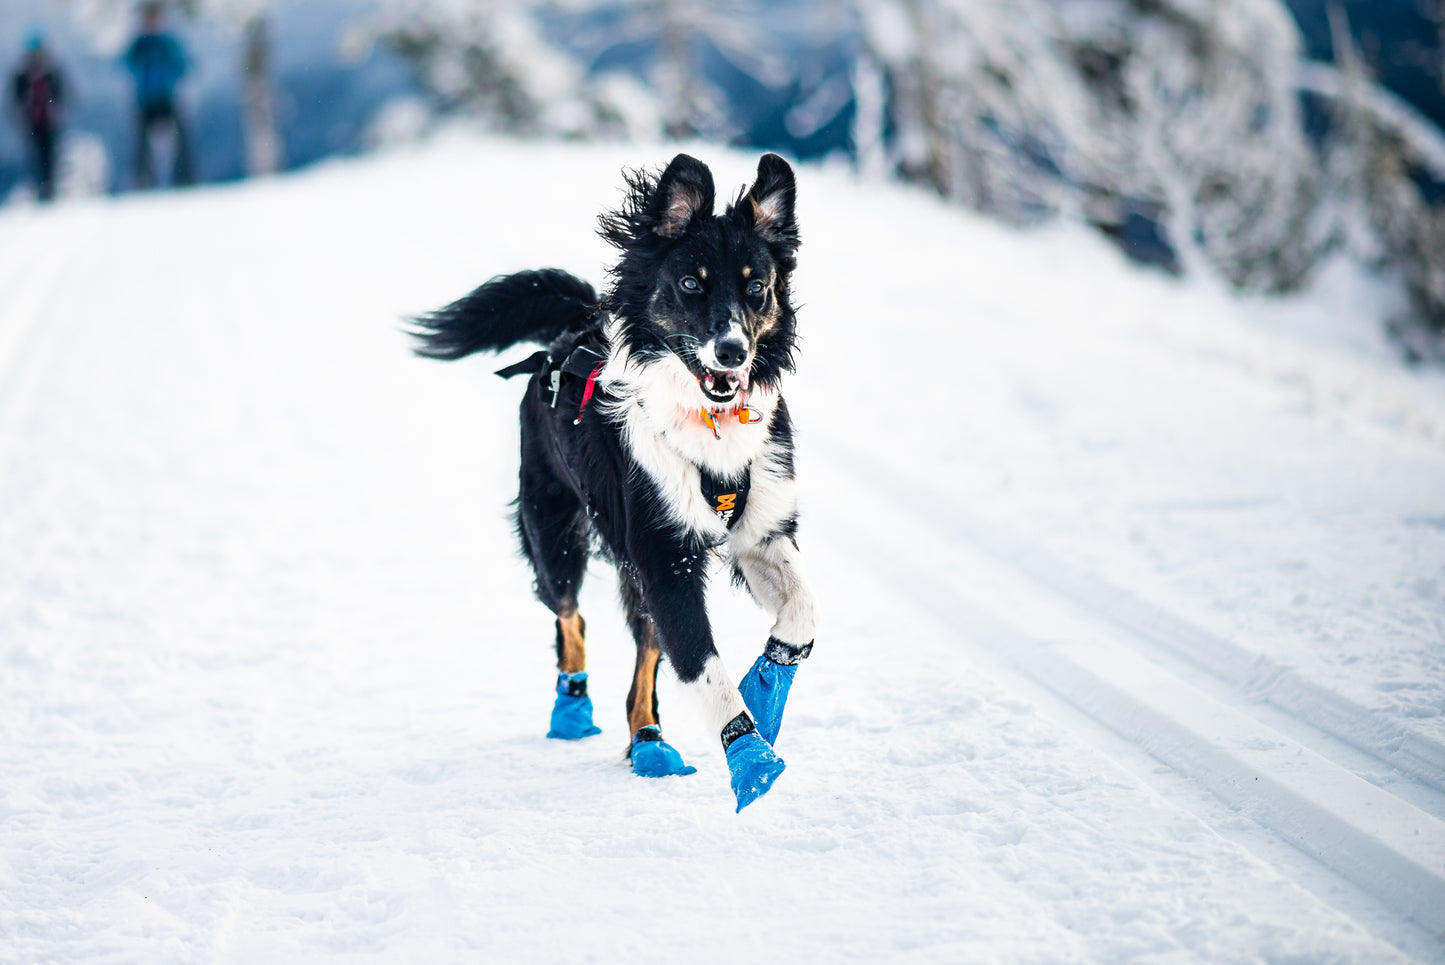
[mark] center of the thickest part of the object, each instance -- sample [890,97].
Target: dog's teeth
[708,381]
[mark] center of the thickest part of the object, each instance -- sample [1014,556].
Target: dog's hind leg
[651,755]
[551,523]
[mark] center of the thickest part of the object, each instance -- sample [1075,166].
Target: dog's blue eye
[756,288]
[690,284]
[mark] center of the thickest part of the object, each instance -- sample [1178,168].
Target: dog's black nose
[730,352]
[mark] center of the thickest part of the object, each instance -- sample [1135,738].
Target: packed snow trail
[273,686]
[1388,846]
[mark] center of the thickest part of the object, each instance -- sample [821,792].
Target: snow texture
[273,686]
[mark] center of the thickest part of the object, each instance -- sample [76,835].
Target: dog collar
[747,415]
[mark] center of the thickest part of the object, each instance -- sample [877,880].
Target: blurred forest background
[1245,140]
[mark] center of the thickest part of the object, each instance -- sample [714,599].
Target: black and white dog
[654,431]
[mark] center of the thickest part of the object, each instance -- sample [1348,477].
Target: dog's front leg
[674,589]
[774,573]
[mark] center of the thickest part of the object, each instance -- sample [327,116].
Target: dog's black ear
[683,192]
[769,206]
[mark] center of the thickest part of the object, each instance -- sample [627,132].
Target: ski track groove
[1389,848]
[1253,676]
[29,281]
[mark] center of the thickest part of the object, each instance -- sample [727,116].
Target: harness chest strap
[726,499]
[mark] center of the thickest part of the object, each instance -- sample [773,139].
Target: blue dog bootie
[765,686]
[654,757]
[572,713]
[751,760]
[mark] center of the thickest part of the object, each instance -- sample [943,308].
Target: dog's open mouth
[722,388]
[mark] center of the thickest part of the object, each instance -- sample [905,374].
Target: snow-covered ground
[1134,603]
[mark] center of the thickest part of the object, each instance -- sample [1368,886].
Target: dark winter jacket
[39,94]
[157,63]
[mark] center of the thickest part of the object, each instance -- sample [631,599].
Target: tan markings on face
[702,273]
[747,271]
[768,319]
[654,308]
[572,651]
[642,698]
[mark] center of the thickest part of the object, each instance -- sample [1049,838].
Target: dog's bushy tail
[530,306]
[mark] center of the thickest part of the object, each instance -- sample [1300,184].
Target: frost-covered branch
[492,60]
[1022,108]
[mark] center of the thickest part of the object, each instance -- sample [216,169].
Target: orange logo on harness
[725,502]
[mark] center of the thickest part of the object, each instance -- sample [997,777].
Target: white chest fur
[660,409]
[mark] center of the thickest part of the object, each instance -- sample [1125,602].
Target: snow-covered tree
[1195,109]
[491,59]
[1381,155]
[675,36]
[984,106]
[253,19]
[263,134]
[1186,107]
[533,68]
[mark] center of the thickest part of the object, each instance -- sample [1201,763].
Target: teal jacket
[157,63]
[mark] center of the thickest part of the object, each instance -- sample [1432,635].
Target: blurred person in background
[38,94]
[158,62]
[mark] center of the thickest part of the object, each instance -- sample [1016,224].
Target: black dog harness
[585,361]
[726,499]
